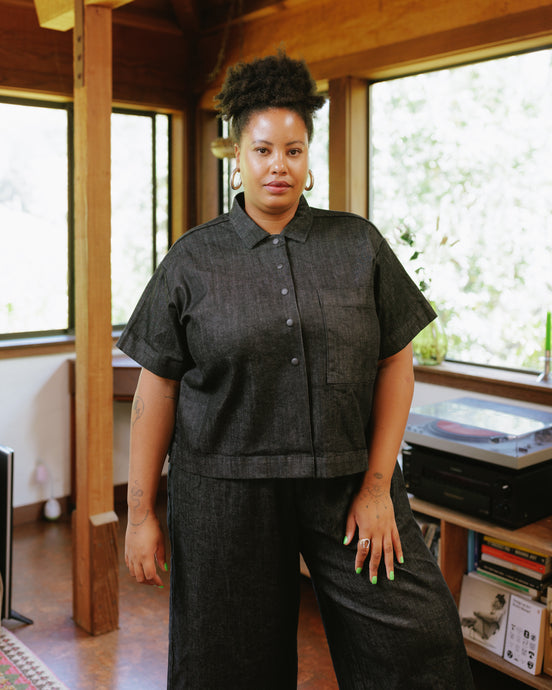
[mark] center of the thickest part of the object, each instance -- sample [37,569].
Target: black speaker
[6,533]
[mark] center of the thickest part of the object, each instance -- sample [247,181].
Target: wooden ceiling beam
[60,14]
[378,38]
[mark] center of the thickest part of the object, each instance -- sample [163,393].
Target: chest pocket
[352,335]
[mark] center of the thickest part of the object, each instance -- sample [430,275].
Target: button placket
[285,291]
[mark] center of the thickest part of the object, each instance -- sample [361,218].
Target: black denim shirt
[276,340]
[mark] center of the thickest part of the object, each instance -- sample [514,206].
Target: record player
[487,459]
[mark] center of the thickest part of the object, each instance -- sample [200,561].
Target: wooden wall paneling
[349,145]
[150,67]
[33,59]
[95,594]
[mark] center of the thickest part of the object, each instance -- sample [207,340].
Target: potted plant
[430,345]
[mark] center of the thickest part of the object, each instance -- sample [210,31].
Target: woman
[277,372]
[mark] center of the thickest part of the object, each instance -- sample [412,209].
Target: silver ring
[364,544]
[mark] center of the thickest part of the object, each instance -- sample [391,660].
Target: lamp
[222,147]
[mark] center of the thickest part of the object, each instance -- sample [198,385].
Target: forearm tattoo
[135,496]
[137,409]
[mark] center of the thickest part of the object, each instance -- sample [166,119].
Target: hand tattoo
[376,495]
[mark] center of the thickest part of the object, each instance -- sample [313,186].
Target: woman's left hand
[372,513]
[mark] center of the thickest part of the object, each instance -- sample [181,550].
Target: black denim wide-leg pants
[235,590]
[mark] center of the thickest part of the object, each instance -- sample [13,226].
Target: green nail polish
[166,567]
[346,540]
[160,586]
[358,571]
[391,575]
[375,580]
[401,559]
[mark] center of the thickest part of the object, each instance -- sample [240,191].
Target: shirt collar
[251,234]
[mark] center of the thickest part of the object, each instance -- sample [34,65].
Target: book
[540,587]
[536,556]
[483,610]
[522,589]
[474,549]
[530,575]
[547,667]
[525,631]
[517,561]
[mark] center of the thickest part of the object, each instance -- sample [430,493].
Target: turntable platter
[458,431]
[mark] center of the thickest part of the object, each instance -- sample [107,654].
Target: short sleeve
[154,336]
[402,309]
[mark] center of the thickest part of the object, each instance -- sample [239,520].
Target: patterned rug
[20,669]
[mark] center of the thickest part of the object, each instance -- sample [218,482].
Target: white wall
[35,422]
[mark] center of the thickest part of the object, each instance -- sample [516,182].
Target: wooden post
[95,562]
[349,145]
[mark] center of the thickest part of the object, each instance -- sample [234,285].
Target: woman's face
[273,161]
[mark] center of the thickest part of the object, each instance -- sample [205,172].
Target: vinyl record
[461,432]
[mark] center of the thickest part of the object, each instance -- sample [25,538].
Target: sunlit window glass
[319,196]
[139,191]
[33,219]
[162,164]
[460,169]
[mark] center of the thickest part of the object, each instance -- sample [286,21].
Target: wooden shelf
[537,536]
[453,562]
[479,653]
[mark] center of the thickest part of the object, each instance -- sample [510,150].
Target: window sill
[47,345]
[500,382]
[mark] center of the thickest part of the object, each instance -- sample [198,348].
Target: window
[318,162]
[139,205]
[34,237]
[36,280]
[460,167]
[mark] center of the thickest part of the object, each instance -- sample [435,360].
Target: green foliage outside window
[460,162]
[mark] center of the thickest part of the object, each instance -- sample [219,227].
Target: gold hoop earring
[311,185]
[233,179]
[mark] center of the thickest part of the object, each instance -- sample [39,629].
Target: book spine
[513,567]
[512,558]
[516,551]
[507,582]
[503,571]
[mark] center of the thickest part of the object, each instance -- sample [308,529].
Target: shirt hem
[273,466]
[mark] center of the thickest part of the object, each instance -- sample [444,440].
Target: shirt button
[294,361]
[284,291]
[279,266]
[289,322]
[276,240]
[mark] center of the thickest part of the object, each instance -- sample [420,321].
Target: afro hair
[276,81]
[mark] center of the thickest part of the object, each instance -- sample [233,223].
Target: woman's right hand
[145,549]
